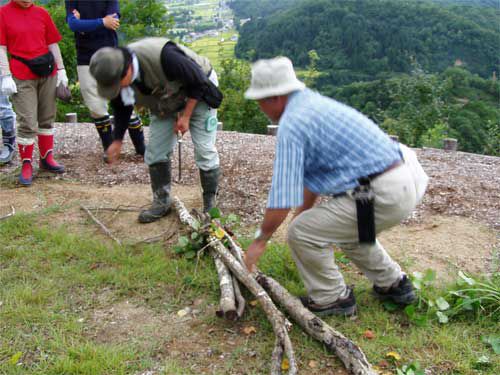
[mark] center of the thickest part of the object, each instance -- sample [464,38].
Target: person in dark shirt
[94,24]
[179,88]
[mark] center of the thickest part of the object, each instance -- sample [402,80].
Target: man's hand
[113,151]
[182,124]
[252,255]
[111,22]
[76,14]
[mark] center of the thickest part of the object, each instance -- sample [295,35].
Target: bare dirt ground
[456,226]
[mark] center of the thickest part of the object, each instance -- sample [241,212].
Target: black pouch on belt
[365,198]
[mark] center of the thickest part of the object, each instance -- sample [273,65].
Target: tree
[236,112]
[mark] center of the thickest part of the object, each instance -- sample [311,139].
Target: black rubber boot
[209,184]
[103,126]
[160,174]
[136,134]
[9,147]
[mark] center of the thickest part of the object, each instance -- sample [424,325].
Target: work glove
[7,85]
[62,78]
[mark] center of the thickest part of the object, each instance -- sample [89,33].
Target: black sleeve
[122,115]
[179,67]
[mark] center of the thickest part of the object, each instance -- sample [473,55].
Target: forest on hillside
[364,40]
[421,70]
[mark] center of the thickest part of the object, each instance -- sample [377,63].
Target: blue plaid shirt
[325,146]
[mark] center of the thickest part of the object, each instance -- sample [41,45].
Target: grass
[54,281]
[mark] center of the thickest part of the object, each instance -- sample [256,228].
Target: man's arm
[179,67]
[309,200]
[182,123]
[122,115]
[273,218]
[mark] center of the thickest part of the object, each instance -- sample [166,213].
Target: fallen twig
[119,208]
[157,237]
[12,213]
[101,225]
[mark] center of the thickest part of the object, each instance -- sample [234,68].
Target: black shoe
[345,306]
[402,294]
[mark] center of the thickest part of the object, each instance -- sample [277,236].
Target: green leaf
[196,225]
[178,249]
[190,254]
[232,218]
[494,341]
[390,306]
[465,278]
[410,311]
[417,284]
[442,304]
[483,361]
[15,358]
[442,317]
[418,276]
[194,235]
[183,241]
[214,213]
[430,275]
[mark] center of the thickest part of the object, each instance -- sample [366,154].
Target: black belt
[367,179]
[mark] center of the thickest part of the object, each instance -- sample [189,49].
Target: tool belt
[365,205]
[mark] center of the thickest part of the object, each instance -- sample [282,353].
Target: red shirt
[27,32]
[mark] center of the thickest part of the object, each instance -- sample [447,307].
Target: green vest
[167,97]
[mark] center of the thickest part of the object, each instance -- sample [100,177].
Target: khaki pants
[97,105]
[312,234]
[35,106]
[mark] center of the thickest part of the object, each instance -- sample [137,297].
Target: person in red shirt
[31,76]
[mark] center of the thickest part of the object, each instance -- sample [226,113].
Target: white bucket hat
[273,77]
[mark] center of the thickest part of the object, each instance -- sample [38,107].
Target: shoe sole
[347,311]
[59,171]
[405,299]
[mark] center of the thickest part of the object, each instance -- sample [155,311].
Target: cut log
[240,300]
[227,302]
[349,353]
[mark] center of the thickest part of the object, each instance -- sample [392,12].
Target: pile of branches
[228,258]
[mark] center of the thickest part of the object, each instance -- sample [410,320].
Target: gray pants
[312,234]
[35,106]
[162,139]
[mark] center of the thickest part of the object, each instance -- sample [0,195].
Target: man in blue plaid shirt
[325,148]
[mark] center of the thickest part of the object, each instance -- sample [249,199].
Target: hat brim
[257,93]
[109,92]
